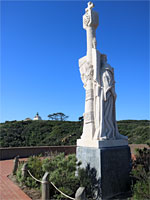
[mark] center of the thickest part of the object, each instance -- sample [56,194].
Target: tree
[81,119]
[52,116]
[58,116]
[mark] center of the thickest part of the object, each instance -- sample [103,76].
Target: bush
[19,177]
[35,167]
[141,175]
[46,132]
[89,180]
[62,173]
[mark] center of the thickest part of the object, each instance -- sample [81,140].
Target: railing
[45,183]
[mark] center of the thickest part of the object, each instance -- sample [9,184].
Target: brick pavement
[8,190]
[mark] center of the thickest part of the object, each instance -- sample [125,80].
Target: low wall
[24,152]
[133,147]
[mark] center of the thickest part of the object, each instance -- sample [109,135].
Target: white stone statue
[98,79]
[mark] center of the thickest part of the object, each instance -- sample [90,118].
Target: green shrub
[88,179]
[35,167]
[46,132]
[62,173]
[19,177]
[141,175]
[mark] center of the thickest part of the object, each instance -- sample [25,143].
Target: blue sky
[41,43]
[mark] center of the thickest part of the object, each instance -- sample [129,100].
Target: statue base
[101,143]
[111,165]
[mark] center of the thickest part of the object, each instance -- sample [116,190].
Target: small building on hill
[28,119]
[37,117]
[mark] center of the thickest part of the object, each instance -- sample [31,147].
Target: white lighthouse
[37,117]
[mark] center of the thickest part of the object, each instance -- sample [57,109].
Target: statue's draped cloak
[104,95]
[104,98]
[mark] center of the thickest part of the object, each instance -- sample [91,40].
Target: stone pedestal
[112,165]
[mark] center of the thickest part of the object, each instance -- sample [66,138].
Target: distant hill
[48,133]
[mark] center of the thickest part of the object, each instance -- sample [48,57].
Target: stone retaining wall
[24,152]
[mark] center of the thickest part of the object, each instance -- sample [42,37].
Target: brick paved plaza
[8,190]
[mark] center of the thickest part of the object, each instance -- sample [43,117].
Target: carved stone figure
[102,151]
[98,79]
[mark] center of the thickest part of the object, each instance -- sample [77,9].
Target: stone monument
[101,145]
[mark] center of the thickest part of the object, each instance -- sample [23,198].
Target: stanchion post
[15,167]
[80,194]
[24,170]
[45,187]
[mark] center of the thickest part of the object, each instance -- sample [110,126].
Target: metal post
[45,187]
[24,170]
[80,194]
[16,161]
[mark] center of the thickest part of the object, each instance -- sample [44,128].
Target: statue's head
[103,58]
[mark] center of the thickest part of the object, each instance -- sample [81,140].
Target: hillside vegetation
[51,133]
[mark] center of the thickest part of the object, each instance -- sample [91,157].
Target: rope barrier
[34,177]
[62,192]
[52,185]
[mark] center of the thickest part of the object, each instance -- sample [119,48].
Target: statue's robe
[104,100]
[103,95]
